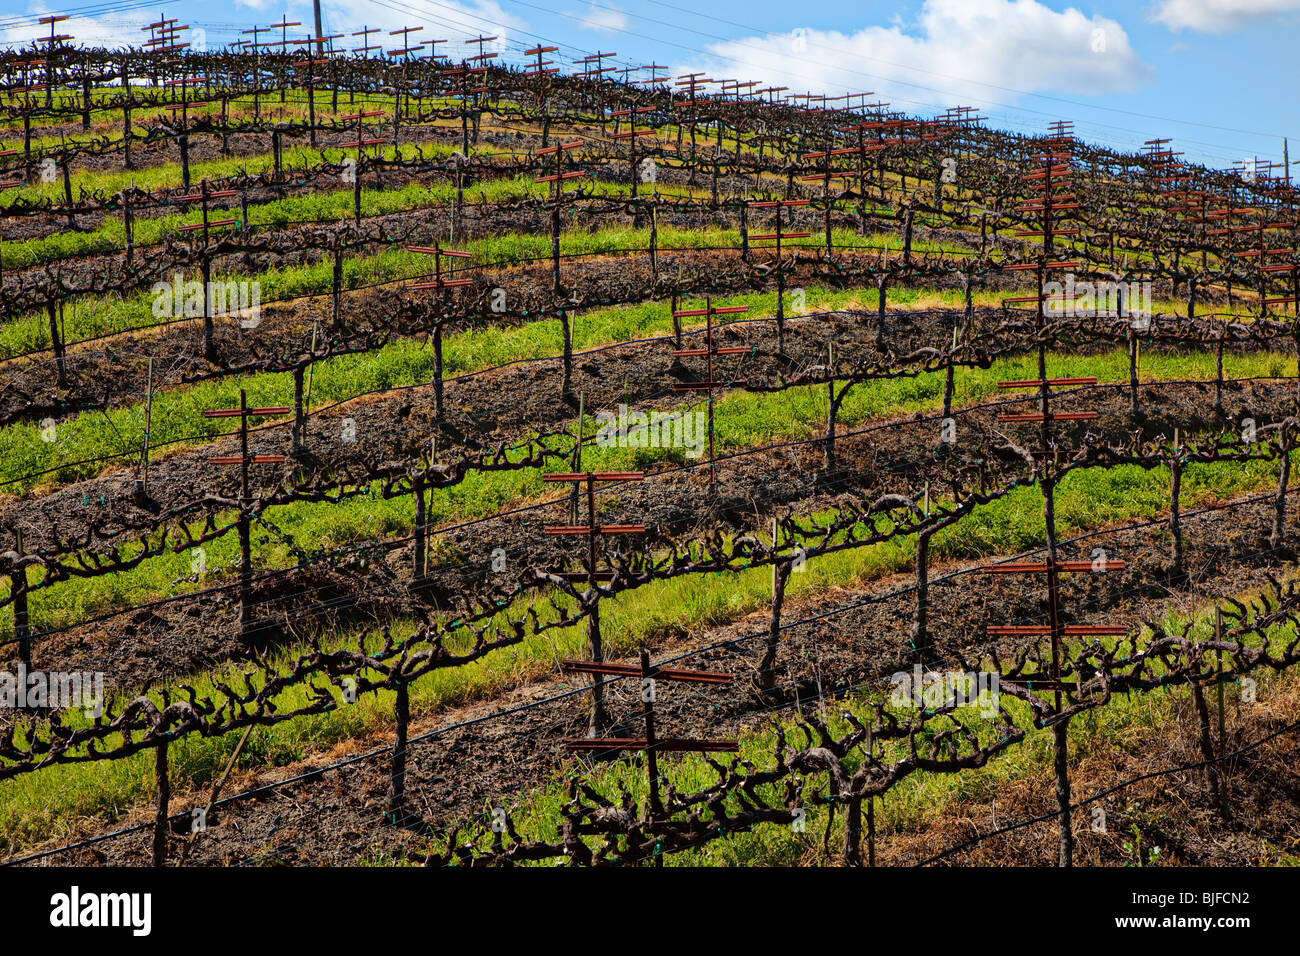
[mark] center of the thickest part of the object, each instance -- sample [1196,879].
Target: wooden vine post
[556,181]
[778,236]
[710,351]
[362,141]
[651,745]
[18,586]
[765,677]
[1052,175]
[244,521]
[162,783]
[824,177]
[630,134]
[203,197]
[439,284]
[590,599]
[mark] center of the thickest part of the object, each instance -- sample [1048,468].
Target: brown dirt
[337,817]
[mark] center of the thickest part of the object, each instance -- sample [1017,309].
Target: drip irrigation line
[605,681]
[1102,794]
[395,543]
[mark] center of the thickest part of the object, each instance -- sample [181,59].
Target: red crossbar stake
[654,79]
[591,529]
[361,143]
[557,196]
[1055,630]
[651,744]
[825,177]
[1044,417]
[779,236]
[592,64]
[541,67]
[244,460]
[54,40]
[480,40]
[1262,252]
[203,196]
[631,134]
[438,253]
[592,576]
[709,351]
[364,33]
[405,33]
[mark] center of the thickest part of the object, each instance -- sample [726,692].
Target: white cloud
[453,21]
[111,29]
[1217,16]
[601,19]
[956,48]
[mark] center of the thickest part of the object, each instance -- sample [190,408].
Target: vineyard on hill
[426,461]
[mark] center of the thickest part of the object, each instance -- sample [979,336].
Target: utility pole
[320,34]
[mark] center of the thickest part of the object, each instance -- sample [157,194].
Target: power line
[948,76]
[894,79]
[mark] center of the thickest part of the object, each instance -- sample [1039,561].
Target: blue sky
[1216,76]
